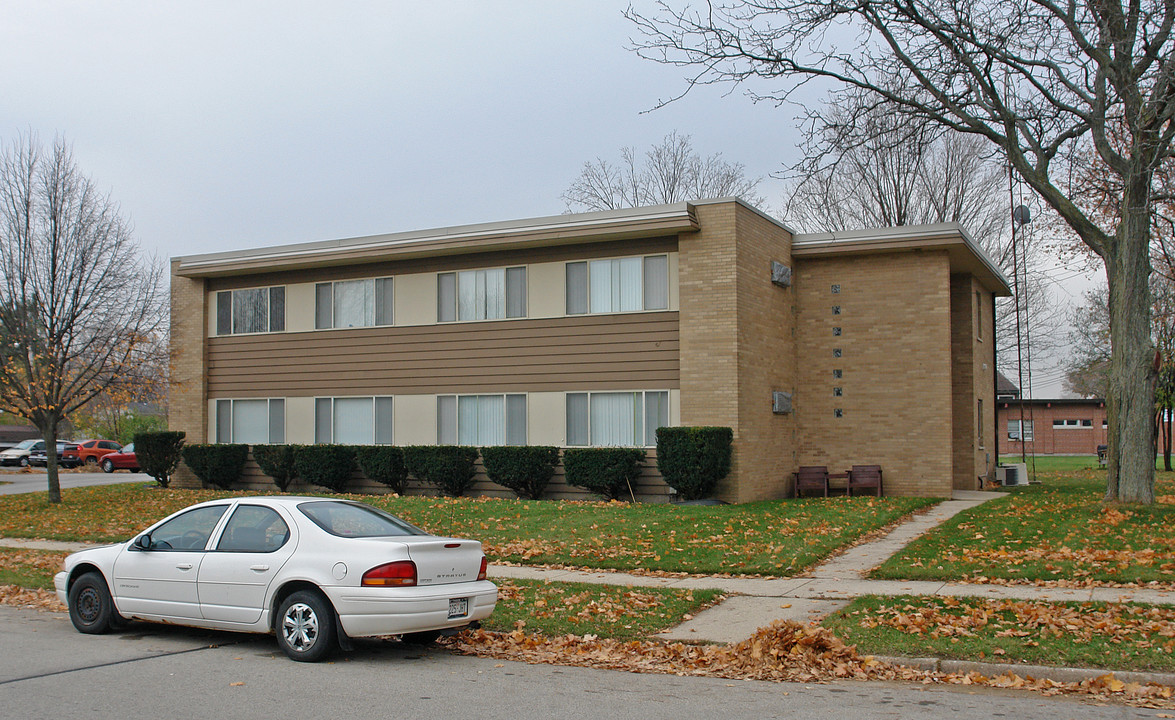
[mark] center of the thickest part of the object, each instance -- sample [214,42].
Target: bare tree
[79,312]
[667,173]
[1036,78]
[876,169]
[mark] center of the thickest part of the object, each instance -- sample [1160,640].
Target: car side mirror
[143,542]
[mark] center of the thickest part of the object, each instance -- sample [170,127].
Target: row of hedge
[691,460]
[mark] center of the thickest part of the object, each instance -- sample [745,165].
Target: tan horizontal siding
[634,351]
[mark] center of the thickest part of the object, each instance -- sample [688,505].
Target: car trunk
[442,561]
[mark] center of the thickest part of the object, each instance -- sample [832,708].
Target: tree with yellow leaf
[80,313]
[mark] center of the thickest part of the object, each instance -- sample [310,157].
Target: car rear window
[347,519]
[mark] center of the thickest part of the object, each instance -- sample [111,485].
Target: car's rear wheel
[107,466]
[24,461]
[90,608]
[91,461]
[306,626]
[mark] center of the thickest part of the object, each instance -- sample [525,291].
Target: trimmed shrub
[158,453]
[218,465]
[447,467]
[329,466]
[605,471]
[276,461]
[693,459]
[524,469]
[384,464]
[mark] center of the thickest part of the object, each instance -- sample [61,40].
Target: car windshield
[355,520]
[24,444]
[128,448]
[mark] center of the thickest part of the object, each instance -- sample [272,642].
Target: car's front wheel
[90,608]
[24,461]
[305,626]
[107,466]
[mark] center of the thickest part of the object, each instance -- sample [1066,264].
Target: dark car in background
[67,455]
[122,460]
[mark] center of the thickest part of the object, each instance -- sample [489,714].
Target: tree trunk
[1130,472]
[49,432]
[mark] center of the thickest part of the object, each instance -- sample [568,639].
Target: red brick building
[1067,426]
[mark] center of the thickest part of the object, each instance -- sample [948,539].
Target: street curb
[1040,672]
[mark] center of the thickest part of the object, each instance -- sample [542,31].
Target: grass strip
[780,537]
[607,611]
[30,568]
[1116,636]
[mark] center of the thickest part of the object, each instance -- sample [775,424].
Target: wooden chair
[865,477]
[810,477]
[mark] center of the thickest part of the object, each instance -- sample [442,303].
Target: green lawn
[624,613]
[1099,635]
[29,568]
[1058,530]
[769,538]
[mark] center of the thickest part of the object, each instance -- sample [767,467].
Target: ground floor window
[616,418]
[481,420]
[353,420]
[1014,430]
[252,422]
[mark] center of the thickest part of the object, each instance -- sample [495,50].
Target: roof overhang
[964,253]
[570,229]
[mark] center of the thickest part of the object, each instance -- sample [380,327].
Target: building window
[978,315]
[1014,430]
[835,289]
[481,420]
[837,392]
[979,421]
[836,352]
[254,310]
[836,309]
[1071,424]
[353,303]
[481,294]
[619,285]
[353,420]
[836,331]
[628,419]
[838,374]
[838,412]
[251,422]
[1087,423]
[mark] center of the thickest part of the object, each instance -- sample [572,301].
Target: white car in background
[314,571]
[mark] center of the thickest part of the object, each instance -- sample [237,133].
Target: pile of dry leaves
[24,597]
[782,651]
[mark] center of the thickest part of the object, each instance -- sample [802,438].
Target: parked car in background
[123,459]
[19,454]
[67,455]
[314,571]
[91,451]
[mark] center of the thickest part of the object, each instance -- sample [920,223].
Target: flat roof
[567,229]
[964,252]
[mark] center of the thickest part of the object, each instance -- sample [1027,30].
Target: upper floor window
[618,285]
[252,422]
[253,310]
[353,420]
[353,303]
[481,294]
[481,420]
[616,418]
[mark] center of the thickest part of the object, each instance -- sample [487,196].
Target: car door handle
[184,566]
[259,568]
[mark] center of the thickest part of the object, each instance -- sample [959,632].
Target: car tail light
[394,574]
[481,574]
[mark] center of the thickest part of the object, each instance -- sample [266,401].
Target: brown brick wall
[895,362]
[973,364]
[187,409]
[735,343]
[1047,439]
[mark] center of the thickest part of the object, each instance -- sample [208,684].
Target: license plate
[458,607]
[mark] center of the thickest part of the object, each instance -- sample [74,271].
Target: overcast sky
[228,125]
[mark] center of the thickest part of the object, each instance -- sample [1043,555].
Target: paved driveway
[16,482]
[47,670]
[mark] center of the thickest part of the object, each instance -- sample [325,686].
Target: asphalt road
[14,482]
[47,670]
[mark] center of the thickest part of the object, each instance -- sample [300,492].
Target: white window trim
[269,312]
[588,262]
[231,430]
[1071,424]
[589,393]
[1014,436]
[314,318]
[332,398]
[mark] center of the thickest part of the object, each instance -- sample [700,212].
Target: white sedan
[315,571]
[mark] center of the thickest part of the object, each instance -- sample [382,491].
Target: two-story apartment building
[595,329]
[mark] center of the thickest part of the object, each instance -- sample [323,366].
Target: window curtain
[656,415]
[353,421]
[353,303]
[447,420]
[577,419]
[250,311]
[577,288]
[251,422]
[656,282]
[616,419]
